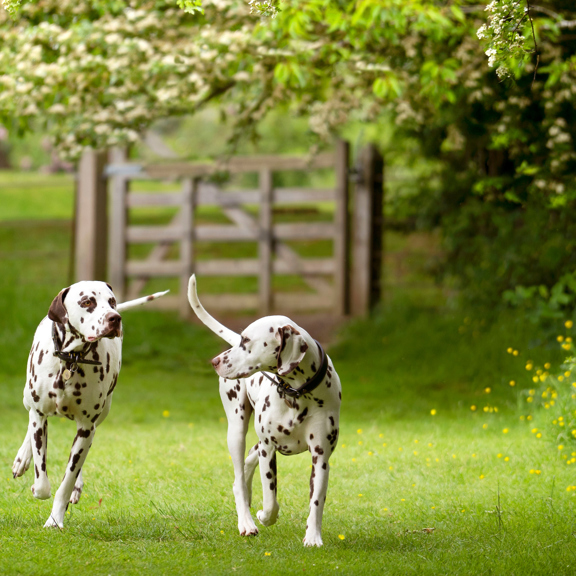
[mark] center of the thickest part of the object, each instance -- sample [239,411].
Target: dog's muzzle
[113,322]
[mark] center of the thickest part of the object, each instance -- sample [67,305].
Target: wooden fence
[348,280]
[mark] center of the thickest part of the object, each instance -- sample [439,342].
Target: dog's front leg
[318,490]
[78,454]
[38,428]
[238,410]
[268,473]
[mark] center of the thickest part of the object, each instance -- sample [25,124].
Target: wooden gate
[326,278]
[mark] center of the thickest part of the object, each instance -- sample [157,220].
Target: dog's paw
[248,531]
[312,539]
[246,527]
[267,519]
[42,491]
[20,466]
[53,523]
[75,496]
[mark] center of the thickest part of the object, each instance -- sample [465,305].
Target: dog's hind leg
[38,429]
[23,458]
[269,475]
[318,489]
[249,468]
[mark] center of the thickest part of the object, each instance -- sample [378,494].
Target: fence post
[189,188]
[265,242]
[118,220]
[342,230]
[367,234]
[91,218]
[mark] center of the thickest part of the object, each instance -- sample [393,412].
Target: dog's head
[272,344]
[88,310]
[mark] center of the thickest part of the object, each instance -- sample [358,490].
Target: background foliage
[500,179]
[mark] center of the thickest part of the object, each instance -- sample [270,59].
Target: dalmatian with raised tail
[72,371]
[277,371]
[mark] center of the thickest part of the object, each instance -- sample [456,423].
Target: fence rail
[275,256]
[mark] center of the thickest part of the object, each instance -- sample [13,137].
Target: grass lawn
[459,491]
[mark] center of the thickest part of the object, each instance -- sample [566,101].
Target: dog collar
[285,389]
[74,357]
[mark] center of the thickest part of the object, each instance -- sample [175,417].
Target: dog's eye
[112,303]
[85,303]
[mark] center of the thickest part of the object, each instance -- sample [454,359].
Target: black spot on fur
[113,385]
[38,439]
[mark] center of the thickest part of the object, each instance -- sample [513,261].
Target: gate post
[342,229]
[91,218]
[189,190]
[265,242]
[367,233]
[118,222]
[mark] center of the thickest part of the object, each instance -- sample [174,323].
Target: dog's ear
[292,349]
[110,287]
[57,311]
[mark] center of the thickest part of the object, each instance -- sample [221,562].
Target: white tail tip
[140,301]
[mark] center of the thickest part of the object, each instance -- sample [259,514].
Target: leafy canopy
[97,72]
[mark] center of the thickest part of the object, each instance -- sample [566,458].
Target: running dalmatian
[73,368]
[278,371]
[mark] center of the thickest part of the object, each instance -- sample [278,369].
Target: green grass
[410,492]
[34,196]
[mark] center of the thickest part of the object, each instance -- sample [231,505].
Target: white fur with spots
[275,345]
[87,320]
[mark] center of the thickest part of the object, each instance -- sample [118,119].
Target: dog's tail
[140,301]
[225,333]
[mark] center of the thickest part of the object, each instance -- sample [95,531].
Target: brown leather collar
[284,389]
[72,357]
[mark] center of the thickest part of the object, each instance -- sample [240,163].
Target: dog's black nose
[216,362]
[113,319]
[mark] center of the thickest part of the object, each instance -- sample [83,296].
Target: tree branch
[558,17]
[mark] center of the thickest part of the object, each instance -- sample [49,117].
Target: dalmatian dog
[72,371]
[277,371]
